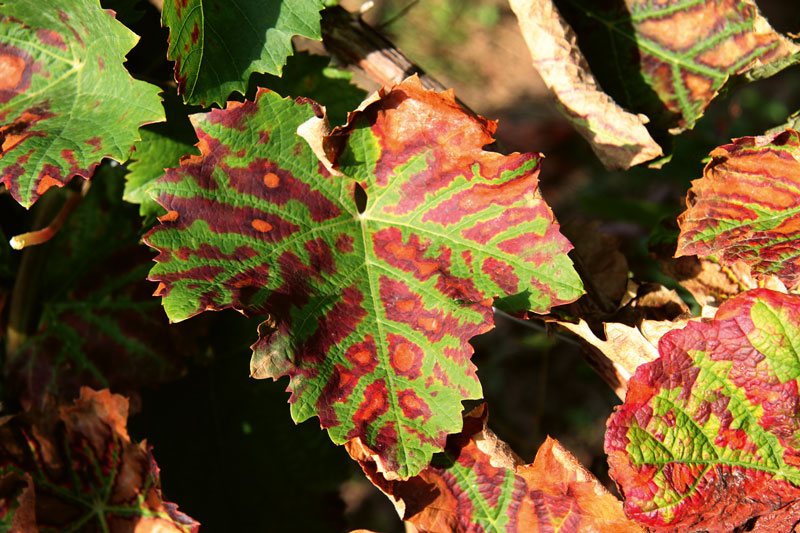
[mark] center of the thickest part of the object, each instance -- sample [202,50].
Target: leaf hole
[360,197]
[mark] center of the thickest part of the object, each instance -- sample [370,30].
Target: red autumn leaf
[707,438]
[371,309]
[745,207]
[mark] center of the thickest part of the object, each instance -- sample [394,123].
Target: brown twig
[354,43]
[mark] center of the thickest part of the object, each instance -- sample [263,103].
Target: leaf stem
[43,235]
[23,295]
[537,327]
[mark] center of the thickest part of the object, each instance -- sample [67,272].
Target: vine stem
[354,43]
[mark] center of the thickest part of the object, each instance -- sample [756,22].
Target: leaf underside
[747,207]
[707,436]
[371,311]
[66,101]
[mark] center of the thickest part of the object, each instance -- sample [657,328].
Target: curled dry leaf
[746,207]
[707,437]
[479,485]
[711,283]
[624,347]
[619,138]
[598,257]
[629,335]
[76,467]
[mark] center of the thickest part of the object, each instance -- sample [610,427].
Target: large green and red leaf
[746,207]
[76,469]
[370,311]
[66,101]
[217,45]
[707,436]
[670,59]
[479,485]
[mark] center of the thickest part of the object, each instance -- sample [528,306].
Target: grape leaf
[619,138]
[371,311]
[76,469]
[311,76]
[707,436]
[746,207]
[99,324]
[671,58]
[217,45]
[66,101]
[161,147]
[479,485]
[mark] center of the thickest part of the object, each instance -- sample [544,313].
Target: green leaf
[66,101]
[311,76]
[371,311]
[707,438]
[746,207]
[161,147]
[217,45]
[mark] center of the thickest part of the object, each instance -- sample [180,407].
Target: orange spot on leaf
[271,180]
[11,69]
[171,216]
[403,357]
[430,323]
[362,357]
[46,183]
[410,402]
[261,225]
[406,305]
[400,251]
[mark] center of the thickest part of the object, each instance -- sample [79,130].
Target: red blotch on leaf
[412,405]
[405,357]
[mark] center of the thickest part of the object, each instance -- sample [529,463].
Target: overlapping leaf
[669,59]
[747,206]
[311,76]
[66,101]
[99,325]
[217,45]
[161,147]
[619,138]
[371,311]
[77,470]
[479,485]
[707,436]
